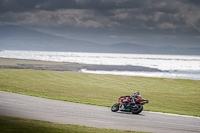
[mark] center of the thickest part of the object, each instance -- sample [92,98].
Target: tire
[138,110]
[115,107]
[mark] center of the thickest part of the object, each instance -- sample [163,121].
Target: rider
[130,100]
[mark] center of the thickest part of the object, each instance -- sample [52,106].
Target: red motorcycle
[132,103]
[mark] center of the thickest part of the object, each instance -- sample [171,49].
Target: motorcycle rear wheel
[115,107]
[137,110]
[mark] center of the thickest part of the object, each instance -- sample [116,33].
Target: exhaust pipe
[144,102]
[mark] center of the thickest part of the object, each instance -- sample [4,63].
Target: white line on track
[100,121]
[173,114]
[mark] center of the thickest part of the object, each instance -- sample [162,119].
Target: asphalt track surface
[94,116]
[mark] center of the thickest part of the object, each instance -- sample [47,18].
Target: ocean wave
[166,63]
[174,75]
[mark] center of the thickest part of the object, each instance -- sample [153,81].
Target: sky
[146,22]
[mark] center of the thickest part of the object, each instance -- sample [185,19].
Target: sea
[170,66]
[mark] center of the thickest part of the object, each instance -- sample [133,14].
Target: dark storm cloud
[168,16]
[195,2]
[18,5]
[90,4]
[51,5]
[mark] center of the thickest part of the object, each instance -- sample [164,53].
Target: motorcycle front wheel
[115,107]
[137,110]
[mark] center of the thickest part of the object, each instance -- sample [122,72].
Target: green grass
[18,125]
[176,96]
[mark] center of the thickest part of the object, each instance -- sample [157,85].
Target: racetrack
[94,116]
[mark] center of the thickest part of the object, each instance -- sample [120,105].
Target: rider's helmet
[137,93]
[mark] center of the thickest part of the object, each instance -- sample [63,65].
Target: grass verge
[18,125]
[176,96]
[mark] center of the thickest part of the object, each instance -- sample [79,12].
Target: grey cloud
[59,18]
[195,2]
[18,5]
[116,15]
[51,5]
[89,4]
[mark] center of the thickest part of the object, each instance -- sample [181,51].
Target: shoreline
[128,70]
[67,66]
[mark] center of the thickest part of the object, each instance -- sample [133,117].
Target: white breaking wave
[175,66]
[173,75]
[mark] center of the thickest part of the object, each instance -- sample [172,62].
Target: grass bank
[18,125]
[165,95]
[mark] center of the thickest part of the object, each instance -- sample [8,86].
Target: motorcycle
[131,103]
